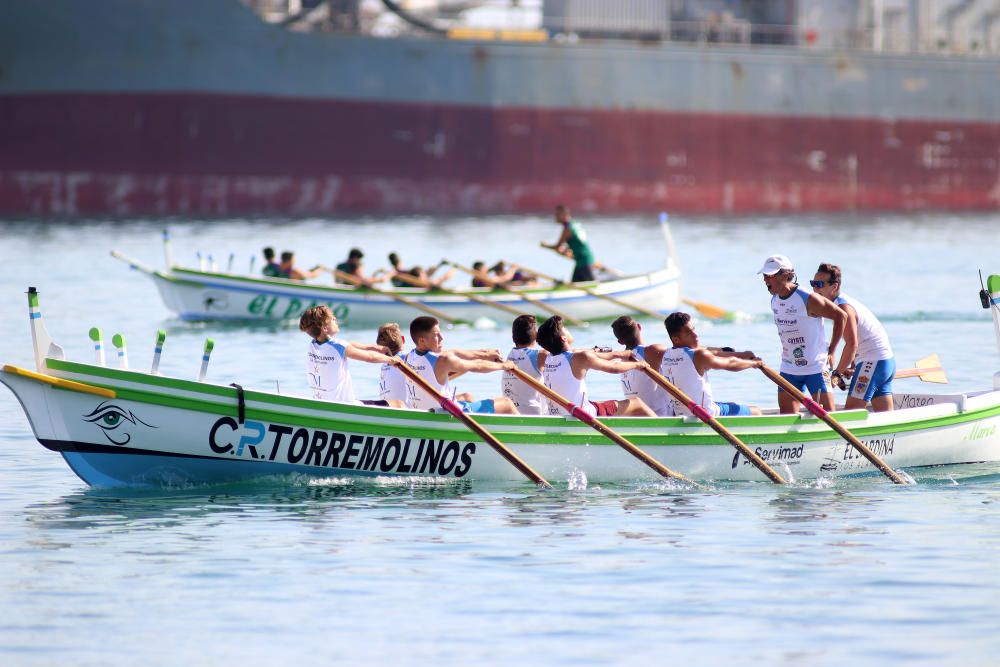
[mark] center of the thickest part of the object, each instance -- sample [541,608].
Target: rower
[636,382]
[392,382]
[271,268]
[416,276]
[573,244]
[565,371]
[439,366]
[287,268]
[352,266]
[529,359]
[513,277]
[866,347]
[798,315]
[686,366]
[327,369]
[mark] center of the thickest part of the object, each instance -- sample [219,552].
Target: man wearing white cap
[798,314]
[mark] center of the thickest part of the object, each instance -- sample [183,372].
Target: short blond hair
[391,337]
[315,319]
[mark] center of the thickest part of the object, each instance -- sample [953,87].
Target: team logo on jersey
[862,383]
[799,355]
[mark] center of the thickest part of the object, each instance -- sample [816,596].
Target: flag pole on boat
[456,411]
[161,337]
[96,337]
[825,416]
[701,413]
[599,426]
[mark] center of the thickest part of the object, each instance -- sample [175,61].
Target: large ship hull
[166,108]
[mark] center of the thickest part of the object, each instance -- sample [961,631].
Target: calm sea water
[333,571]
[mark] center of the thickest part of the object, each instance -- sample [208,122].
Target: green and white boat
[117,427]
[196,294]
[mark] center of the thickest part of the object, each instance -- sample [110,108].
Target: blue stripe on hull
[117,470]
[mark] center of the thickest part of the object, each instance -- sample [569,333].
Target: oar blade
[710,311]
[934,372]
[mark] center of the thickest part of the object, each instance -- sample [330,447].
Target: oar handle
[456,411]
[818,410]
[599,426]
[704,415]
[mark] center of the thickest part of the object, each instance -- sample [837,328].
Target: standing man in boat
[573,244]
[686,365]
[866,346]
[565,372]
[439,367]
[527,357]
[392,382]
[799,314]
[327,370]
[636,382]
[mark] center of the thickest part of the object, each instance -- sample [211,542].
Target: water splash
[576,480]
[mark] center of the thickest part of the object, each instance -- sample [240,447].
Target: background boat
[183,107]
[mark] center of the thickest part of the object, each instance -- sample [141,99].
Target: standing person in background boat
[866,346]
[329,376]
[439,367]
[352,266]
[392,382]
[529,359]
[287,268]
[798,314]
[686,365]
[573,243]
[271,268]
[636,382]
[565,372]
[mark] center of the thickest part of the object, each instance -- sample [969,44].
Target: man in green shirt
[573,243]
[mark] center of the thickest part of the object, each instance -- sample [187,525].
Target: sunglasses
[818,284]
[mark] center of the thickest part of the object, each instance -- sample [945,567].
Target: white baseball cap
[775,263]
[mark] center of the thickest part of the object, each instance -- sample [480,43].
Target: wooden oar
[456,411]
[818,410]
[599,426]
[710,311]
[471,297]
[927,369]
[525,297]
[412,303]
[624,304]
[701,413]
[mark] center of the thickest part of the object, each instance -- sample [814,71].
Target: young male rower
[439,367]
[352,266]
[686,365]
[486,277]
[565,372]
[392,382]
[866,346]
[636,382]
[529,359]
[416,276]
[798,315]
[573,244]
[271,268]
[327,369]
[287,268]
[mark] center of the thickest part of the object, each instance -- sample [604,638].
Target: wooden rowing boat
[123,427]
[200,295]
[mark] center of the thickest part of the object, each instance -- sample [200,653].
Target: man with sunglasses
[866,345]
[798,314]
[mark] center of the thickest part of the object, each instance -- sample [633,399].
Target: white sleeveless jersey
[329,377]
[803,341]
[392,383]
[678,367]
[557,374]
[424,364]
[527,400]
[636,383]
[873,341]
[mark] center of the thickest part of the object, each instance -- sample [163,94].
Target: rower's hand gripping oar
[822,414]
[701,413]
[456,411]
[600,427]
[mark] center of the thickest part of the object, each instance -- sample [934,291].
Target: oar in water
[701,413]
[927,369]
[623,304]
[525,297]
[416,282]
[821,413]
[599,426]
[412,303]
[456,411]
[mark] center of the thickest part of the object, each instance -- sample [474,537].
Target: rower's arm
[352,351]
[563,238]
[477,355]
[451,365]
[589,360]
[820,306]
[705,359]
[850,341]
